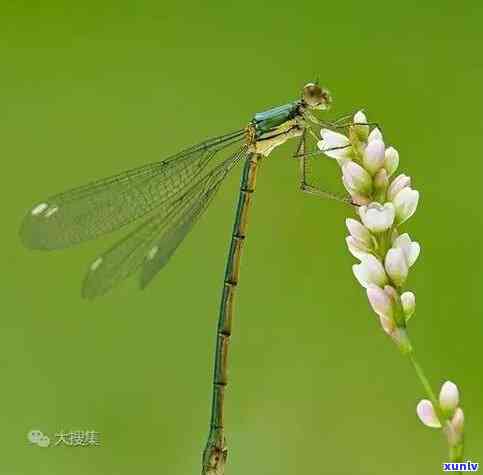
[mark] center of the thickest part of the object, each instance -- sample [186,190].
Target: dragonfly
[166,198]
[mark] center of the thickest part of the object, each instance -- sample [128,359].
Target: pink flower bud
[426,414]
[458,420]
[454,430]
[380,302]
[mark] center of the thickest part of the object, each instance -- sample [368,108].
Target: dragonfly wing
[166,245]
[105,205]
[152,243]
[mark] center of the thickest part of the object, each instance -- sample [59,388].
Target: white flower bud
[391,160]
[380,302]
[375,135]
[400,182]
[359,116]
[370,271]
[410,248]
[408,302]
[334,139]
[427,414]
[362,131]
[396,266]
[449,397]
[373,157]
[358,231]
[356,178]
[334,145]
[405,202]
[357,248]
[376,217]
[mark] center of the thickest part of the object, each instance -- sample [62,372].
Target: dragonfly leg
[346,119]
[340,123]
[350,124]
[313,190]
[300,154]
[315,120]
[343,118]
[308,188]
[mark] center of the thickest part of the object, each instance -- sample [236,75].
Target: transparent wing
[100,207]
[152,243]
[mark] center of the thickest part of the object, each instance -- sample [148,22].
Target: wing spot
[40,208]
[51,211]
[152,252]
[96,263]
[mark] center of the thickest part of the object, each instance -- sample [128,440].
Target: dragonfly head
[316,97]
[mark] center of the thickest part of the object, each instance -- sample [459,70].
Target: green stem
[425,382]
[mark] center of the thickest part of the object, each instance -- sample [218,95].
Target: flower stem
[424,381]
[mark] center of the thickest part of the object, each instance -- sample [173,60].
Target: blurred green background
[89,89]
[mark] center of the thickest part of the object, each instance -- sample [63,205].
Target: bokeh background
[89,89]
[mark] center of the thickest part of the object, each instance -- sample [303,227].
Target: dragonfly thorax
[265,143]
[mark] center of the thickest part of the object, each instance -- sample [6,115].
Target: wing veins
[160,228]
[92,210]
